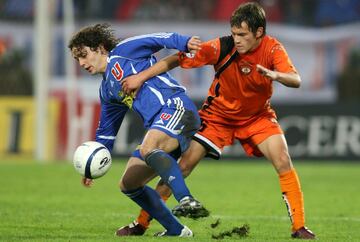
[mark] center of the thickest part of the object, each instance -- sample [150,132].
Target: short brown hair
[252,14]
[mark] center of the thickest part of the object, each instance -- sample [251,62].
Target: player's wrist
[144,76]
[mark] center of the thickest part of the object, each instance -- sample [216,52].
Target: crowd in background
[315,13]
[311,13]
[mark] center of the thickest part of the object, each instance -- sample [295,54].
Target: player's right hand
[87,182]
[131,84]
[194,44]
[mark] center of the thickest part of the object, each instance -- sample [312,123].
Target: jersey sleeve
[280,60]
[207,55]
[143,46]
[111,118]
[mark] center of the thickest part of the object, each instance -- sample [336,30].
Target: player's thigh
[173,126]
[215,134]
[191,157]
[275,149]
[157,139]
[256,131]
[136,174]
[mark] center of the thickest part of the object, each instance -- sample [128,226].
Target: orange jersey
[239,92]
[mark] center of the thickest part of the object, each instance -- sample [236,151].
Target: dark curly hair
[93,37]
[252,14]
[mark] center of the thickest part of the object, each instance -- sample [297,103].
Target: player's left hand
[87,182]
[266,72]
[194,44]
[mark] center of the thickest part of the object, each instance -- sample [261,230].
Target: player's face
[92,61]
[244,39]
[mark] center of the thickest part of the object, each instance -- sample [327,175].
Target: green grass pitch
[48,203]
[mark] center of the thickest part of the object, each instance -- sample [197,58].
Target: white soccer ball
[92,159]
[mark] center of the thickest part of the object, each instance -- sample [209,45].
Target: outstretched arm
[143,46]
[134,82]
[287,79]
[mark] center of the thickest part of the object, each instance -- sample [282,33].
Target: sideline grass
[47,202]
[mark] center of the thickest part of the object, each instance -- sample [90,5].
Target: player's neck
[104,63]
[256,45]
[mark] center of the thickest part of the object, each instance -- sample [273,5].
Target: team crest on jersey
[190,55]
[245,70]
[117,71]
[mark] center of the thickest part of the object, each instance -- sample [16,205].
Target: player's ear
[259,32]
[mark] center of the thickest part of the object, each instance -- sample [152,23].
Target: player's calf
[167,168]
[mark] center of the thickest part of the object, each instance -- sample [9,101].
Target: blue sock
[168,169]
[151,202]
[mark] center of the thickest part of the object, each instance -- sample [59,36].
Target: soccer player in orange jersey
[238,106]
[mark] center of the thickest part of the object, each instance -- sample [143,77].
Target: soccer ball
[92,159]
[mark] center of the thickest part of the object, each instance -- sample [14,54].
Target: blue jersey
[129,57]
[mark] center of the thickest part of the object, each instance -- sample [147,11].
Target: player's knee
[122,186]
[283,162]
[285,158]
[130,192]
[126,185]
[145,150]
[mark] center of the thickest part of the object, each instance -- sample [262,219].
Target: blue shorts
[179,119]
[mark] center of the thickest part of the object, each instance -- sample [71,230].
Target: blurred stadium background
[48,105]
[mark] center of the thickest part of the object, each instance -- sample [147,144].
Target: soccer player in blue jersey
[167,112]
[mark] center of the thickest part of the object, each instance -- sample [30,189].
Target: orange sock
[144,218]
[293,197]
